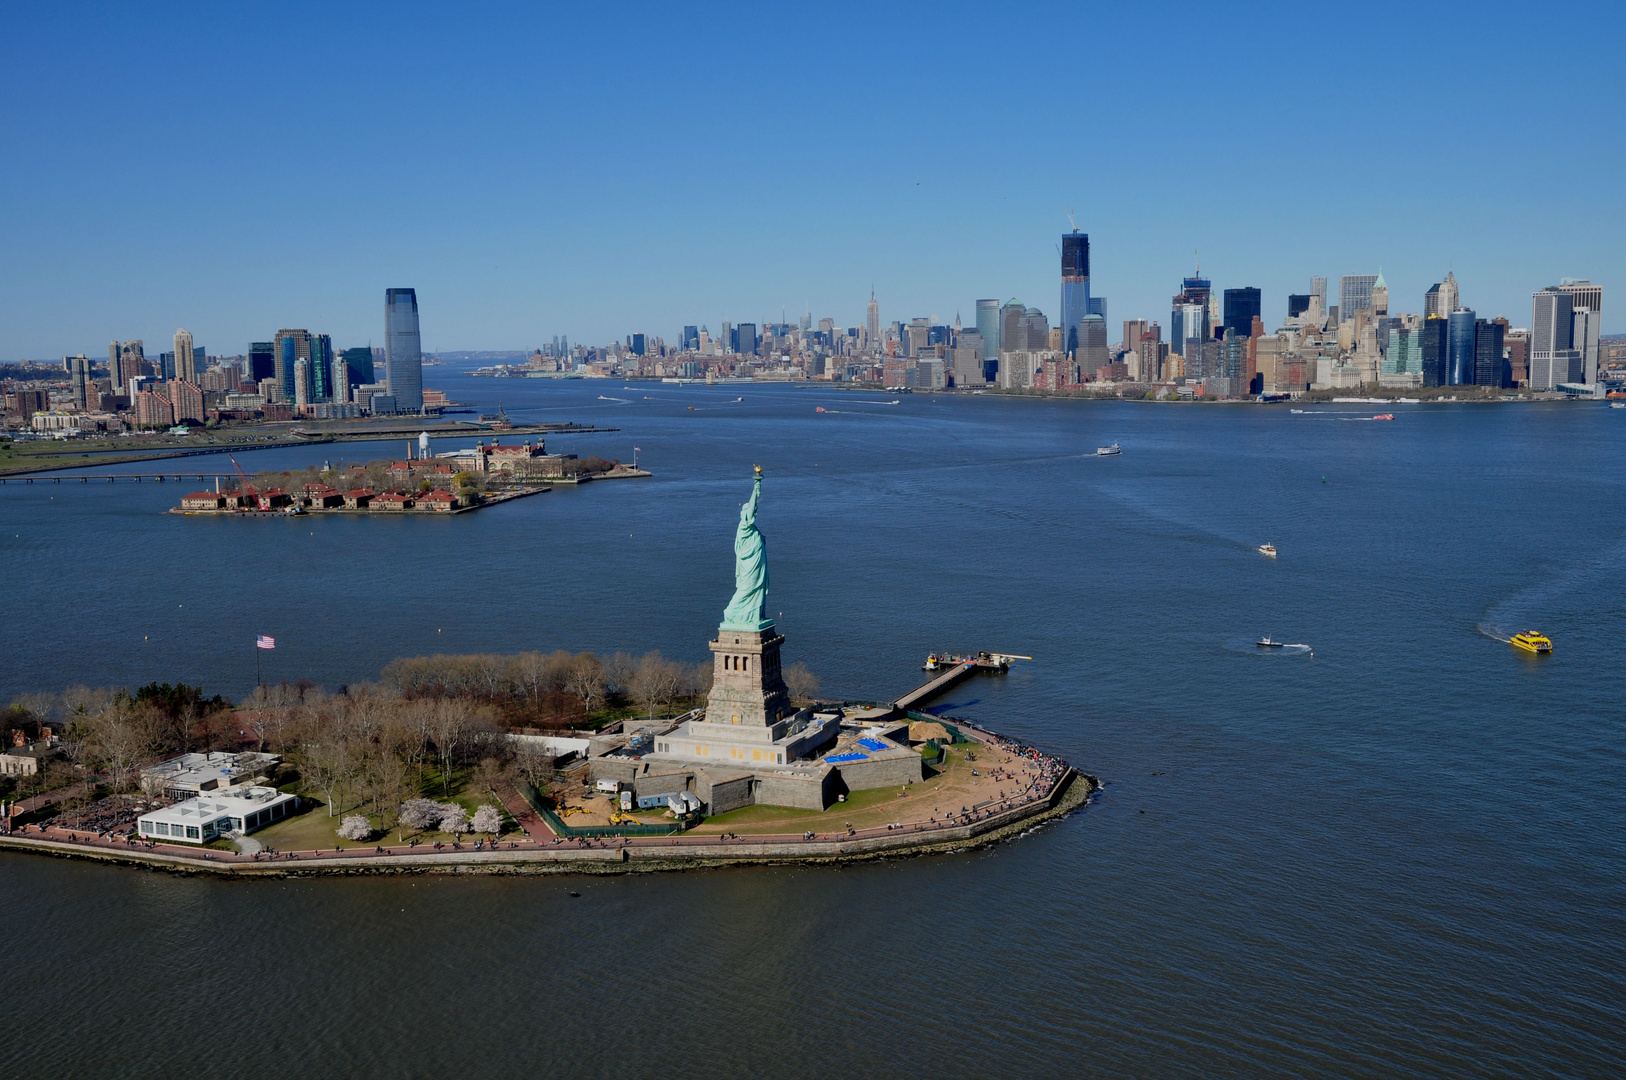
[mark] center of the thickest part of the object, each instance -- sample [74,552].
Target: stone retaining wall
[1073,791]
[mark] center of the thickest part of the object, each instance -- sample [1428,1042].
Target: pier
[960,667]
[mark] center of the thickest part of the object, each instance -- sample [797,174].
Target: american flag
[265,641]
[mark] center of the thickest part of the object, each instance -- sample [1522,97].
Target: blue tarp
[841,758]
[873,744]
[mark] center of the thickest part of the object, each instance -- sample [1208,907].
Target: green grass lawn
[313,830]
[774,818]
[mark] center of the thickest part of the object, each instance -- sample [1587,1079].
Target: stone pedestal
[747,687]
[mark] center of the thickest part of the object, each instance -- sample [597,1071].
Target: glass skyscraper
[289,347]
[1241,305]
[1188,318]
[988,327]
[262,362]
[1460,343]
[403,350]
[321,367]
[1435,351]
[1075,288]
[1488,362]
[360,362]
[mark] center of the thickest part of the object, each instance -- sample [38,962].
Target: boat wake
[621,400]
[1537,603]
[1251,647]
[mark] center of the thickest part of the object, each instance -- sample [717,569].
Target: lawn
[945,791]
[313,830]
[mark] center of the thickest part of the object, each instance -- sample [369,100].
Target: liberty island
[685,786]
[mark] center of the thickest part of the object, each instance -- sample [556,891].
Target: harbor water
[1401,855]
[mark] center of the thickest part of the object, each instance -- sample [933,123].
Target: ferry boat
[1531,641]
[1268,550]
[1266,643]
[1108,451]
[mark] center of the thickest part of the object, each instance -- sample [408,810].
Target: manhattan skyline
[733,166]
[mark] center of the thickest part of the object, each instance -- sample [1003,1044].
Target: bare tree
[530,674]
[449,719]
[584,680]
[492,675]
[327,763]
[405,733]
[491,773]
[40,706]
[618,671]
[655,681]
[386,784]
[120,735]
[801,682]
[534,764]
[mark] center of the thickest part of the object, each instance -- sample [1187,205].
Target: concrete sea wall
[1073,791]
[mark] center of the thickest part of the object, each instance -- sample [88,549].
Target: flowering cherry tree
[454,819]
[487,819]
[355,827]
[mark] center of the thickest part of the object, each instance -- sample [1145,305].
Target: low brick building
[391,501]
[320,496]
[358,498]
[272,498]
[203,500]
[440,501]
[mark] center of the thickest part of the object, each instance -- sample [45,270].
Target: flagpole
[259,679]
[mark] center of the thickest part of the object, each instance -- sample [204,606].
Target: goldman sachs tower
[403,351]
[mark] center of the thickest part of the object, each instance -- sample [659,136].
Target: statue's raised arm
[749,608]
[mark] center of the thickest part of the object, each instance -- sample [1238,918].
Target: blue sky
[595,170]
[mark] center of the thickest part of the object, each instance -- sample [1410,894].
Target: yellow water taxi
[1531,641]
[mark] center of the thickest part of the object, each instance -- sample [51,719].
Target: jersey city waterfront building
[403,352]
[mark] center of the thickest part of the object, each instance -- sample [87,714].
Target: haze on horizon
[536,171]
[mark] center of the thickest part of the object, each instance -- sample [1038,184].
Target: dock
[960,667]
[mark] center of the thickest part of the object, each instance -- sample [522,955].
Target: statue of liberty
[748,609]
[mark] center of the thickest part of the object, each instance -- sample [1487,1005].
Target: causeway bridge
[85,478]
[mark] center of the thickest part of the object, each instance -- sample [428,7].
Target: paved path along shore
[1055,789]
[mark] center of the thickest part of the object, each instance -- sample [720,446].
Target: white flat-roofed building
[200,820]
[197,774]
